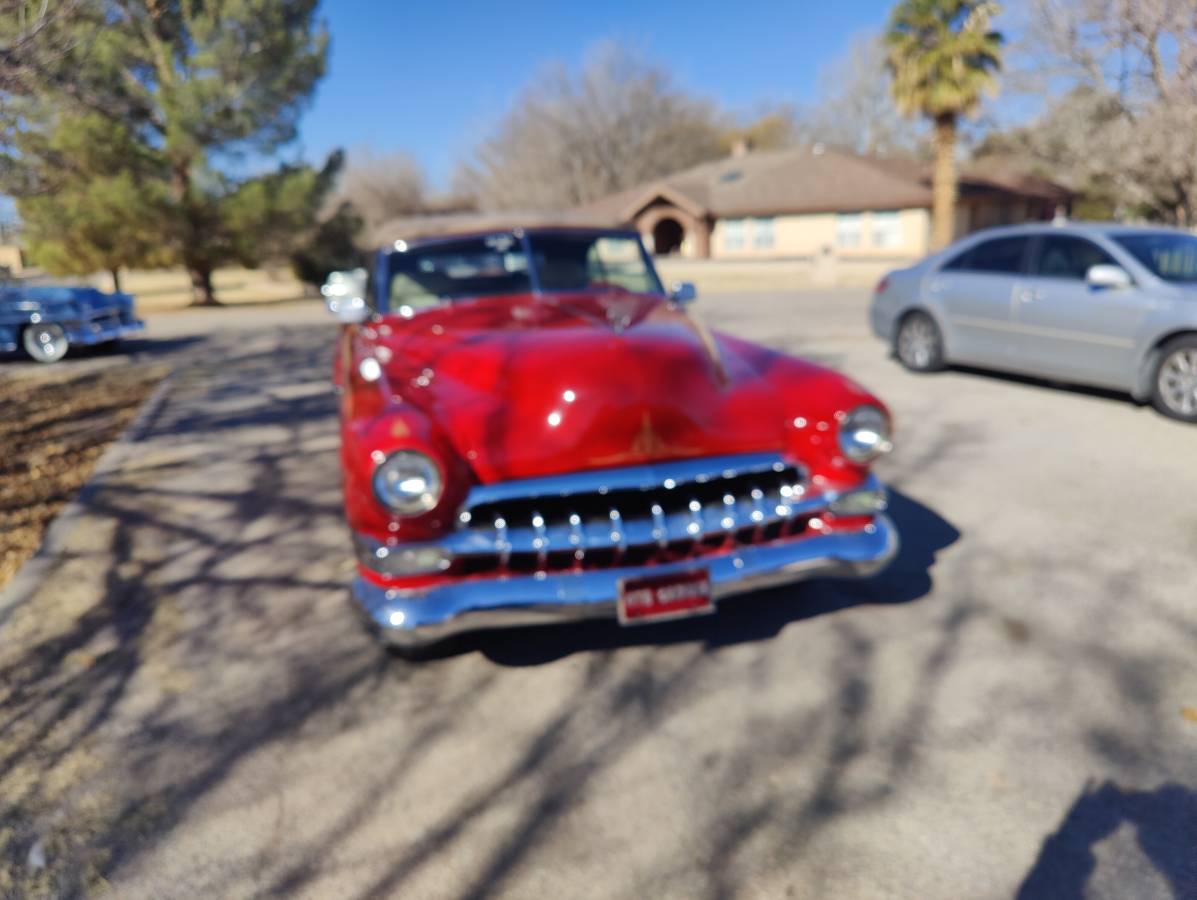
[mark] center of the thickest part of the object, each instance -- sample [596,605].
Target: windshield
[581,262]
[498,264]
[1170,256]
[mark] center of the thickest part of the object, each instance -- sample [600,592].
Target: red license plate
[660,597]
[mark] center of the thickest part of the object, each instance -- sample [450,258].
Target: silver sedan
[1098,304]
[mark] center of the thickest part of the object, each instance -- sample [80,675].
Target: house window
[848,229]
[762,233]
[733,234]
[887,229]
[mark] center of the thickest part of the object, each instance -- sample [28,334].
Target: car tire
[1174,381]
[45,343]
[918,343]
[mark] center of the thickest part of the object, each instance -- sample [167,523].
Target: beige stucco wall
[814,235]
[749,275]
[11,259]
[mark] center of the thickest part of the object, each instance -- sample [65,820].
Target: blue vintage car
[46,321]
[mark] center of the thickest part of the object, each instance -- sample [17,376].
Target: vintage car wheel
[1174,388]
[45,343]
[919,344]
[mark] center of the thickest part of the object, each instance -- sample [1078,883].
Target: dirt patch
[53,430]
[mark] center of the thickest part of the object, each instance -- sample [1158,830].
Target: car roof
[1070,227]
[419,230]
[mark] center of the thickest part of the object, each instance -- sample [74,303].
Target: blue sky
[430,78]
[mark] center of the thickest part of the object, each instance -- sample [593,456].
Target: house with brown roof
[816,201]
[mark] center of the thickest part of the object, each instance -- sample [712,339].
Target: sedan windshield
[498,264]
[1170,256]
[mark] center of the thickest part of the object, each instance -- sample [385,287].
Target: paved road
[1011,709]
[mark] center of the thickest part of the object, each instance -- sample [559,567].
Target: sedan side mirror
[345,296]
[1112,277]
[683,292]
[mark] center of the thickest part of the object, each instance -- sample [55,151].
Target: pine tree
[193,86]
[98,207]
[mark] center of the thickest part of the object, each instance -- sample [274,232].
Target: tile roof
[806,180]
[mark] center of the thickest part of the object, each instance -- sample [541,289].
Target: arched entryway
[668,229]
[668,235]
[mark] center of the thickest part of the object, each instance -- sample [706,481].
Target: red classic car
[534,430]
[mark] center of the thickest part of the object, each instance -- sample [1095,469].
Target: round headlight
[408,483]
[865,434]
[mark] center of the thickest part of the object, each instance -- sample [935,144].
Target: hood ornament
[620,313]
[647,441]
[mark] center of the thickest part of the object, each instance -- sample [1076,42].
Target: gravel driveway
[188,707]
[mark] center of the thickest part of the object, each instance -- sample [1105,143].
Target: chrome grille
[633,516]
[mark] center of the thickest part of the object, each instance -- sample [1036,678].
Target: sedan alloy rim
[916,344]
[1178,381]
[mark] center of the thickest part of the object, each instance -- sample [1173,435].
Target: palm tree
[942,57]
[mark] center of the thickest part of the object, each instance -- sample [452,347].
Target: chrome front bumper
[419,618]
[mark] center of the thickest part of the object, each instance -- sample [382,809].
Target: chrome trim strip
[642,478]
[422,617]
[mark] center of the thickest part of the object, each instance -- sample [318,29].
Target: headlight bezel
[389,475]
[855,428]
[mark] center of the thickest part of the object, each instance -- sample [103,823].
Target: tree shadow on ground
[219,675]
[1165,827]
[167,586]
[752,617]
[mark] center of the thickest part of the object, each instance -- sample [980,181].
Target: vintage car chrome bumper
[88,333]
[422,617]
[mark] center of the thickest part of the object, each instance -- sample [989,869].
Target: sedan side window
[1000,255]
[1064,256]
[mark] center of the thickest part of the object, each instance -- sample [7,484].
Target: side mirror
[1112,277]
[683,292]
[345,296]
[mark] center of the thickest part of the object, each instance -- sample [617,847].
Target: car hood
[529,386]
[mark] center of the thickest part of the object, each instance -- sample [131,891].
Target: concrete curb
[33,571]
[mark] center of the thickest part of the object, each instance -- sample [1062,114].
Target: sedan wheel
[919,345]
[45,343]
[1176,381]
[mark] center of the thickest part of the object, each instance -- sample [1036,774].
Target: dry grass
[170,289]
[53,429]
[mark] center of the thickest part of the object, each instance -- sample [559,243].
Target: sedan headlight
[408,483]
[865,434]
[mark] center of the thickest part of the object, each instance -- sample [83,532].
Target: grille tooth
[618,537]
[660,528]
[577,538]
[758,512]
[540,543]
[728,522]
[501,543]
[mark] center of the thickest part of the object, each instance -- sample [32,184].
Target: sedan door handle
[1029,296]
